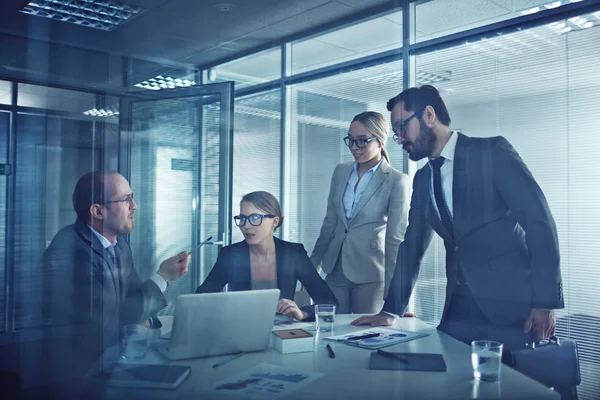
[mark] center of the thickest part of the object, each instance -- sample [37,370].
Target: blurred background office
[193,101]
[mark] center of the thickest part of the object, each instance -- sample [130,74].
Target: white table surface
[347,376]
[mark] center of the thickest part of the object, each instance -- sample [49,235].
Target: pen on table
[370,335]
[330,351]
[393,356]
[229,359]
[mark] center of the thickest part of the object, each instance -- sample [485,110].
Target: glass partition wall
[521,69]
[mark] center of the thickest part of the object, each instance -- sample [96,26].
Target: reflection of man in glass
[94,288]
[502,256]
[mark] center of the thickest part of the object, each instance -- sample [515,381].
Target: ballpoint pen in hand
[200,245]
[370,335]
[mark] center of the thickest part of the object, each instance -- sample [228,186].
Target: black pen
[330,351]
[200,245]
[393,356]
[217,365]
[370,335]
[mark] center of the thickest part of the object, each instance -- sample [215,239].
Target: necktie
[439,195]
[443,207]
[112,251]
[113,255]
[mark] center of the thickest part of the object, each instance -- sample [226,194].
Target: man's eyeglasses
[400,128]
[128,199]
[361,143]
[254,219]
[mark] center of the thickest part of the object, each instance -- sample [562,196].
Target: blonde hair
[378,126]
[266,202]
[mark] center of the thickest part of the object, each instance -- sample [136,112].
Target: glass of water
[133,345]
[486,356]
[325,317]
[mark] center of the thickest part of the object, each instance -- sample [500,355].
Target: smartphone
[200,245]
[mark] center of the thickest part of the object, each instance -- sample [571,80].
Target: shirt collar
[449,148]
[373,168]
[105,242]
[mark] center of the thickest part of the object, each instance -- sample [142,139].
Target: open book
[377,337]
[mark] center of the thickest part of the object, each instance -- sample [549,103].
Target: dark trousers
[465,322]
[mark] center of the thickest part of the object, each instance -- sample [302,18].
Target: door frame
[218,92]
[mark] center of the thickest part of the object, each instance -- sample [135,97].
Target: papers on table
[385,337]
[282,322]
[265,381]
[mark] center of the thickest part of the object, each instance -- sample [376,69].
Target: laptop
[211,324]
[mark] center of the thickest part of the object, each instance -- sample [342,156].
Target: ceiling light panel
[164,82]
[111,111]
[99,14]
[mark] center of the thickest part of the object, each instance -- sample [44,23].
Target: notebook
[149,376]
[382,359]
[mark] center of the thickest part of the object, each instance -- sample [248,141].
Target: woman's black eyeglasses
[254,219]
[360,143]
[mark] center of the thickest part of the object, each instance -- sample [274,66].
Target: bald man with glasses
[92,286]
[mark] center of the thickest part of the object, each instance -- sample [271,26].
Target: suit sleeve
[396,225]
[526,201]
[410,253]
[328,227]
[316,287]
[217,278]
[143,301]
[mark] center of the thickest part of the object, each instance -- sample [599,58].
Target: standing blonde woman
[366,219]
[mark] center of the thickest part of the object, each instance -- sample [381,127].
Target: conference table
[347,376]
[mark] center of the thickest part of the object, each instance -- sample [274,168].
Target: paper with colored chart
[385,337]
[265,381]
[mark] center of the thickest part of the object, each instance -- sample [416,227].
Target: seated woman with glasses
[365,221]
[262,261]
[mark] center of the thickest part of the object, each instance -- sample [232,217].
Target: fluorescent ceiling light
[423,78]
[164,82]
[108,112]
[553,5]
[99,14]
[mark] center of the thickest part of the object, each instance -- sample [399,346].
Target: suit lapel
[240,270]
[379,177]
[280,261]
[341,188]
[459,184]
[85,231]
[432,213]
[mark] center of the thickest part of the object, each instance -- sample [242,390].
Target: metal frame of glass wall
[14,109]
[406,53]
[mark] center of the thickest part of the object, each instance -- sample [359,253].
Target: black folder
[382,359]
[149,376]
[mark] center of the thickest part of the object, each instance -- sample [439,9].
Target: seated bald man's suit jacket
[94,296]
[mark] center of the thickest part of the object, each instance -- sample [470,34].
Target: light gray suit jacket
[504,237]
[369,241]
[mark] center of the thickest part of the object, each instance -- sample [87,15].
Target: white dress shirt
[446,173]
[159,280]
[351,195]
